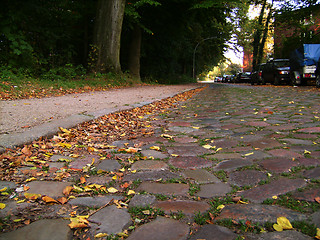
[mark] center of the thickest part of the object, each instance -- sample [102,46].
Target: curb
[51,128]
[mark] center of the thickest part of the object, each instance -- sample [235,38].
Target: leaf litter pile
[52,160]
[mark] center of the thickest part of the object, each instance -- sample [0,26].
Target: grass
[14,87]
[145,213]
[294,204]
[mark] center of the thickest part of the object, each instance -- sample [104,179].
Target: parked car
[243,77]
[317,73]
[256,74]
[226,78]
[218,79]
[303,63]
[276,71]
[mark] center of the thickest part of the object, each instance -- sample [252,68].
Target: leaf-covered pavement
[226,163]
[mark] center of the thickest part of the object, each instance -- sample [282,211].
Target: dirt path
[19,115]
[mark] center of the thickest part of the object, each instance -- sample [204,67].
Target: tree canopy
[39,35]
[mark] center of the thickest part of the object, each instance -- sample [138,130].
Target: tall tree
[257,34]
[107,34]
[134,13]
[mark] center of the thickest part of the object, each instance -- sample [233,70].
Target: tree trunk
[134,52]
[257,36]
[264,36]
[107,34]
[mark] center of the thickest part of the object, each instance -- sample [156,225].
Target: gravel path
[19,115]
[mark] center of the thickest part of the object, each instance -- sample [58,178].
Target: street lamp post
[194,55]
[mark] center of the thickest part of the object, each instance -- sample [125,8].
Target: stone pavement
[223,165]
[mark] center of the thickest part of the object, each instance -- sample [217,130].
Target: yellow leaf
[174,155]
[112,190]
[284,222]
[100,171]
[307,152]
[277,227]
[21,201]
[32,196]
[78,222]
[77,189]
[248,154]
[220,207]
[242,202]
[122,169]
[64,130]
[17,220]
[130,192]
[318,234]
[207,146]
[146,212]
[3,189]
[65,145]
[196,127]
[134,171]
[2,205]
[31,179]
[166,136]
[114,177]
[218,149]
[100,235]
[155,148]
[274,197]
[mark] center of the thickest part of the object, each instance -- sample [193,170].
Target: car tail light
[260,74]
[283,72]
[307,75]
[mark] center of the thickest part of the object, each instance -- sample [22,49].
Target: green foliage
[294,204]
[144,213]
[200,218]
[66,72]
[50,49]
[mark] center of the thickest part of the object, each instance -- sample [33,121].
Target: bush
[66,72]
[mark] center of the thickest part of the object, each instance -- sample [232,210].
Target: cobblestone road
[225,164]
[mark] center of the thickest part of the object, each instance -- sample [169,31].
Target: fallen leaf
[155,148]
[66,191]
[78,222]
[82,180]
[220,207]
[167,136]
[31,179]
[318,234]
[146,212]
[47,199]
[26,151]
[32,196]
[125,185]
[62,200]
[100,235]
[2,205]
[307,152]
[282,224]
[130,192]
[64,130]
[3,189]
[207,146]
[112,190]
[248,154]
